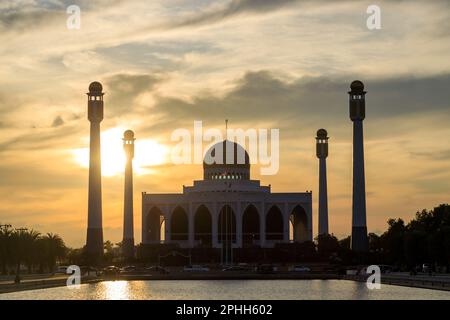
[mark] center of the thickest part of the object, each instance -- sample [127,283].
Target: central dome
[226,160]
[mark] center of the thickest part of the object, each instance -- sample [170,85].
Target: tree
[5,247]
[54,249]
[327,245]
[75,256]
[392,241]
[374,242]
[344,244]
[19,240]
[111,251]
[31,252]
[415,250]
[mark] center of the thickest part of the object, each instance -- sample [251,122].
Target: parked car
[195,268]
[156,269]
[426,268]
[302,269]
[89,271]
[384,268]
[236,268]
[128,269]
[61,269]
[266,268]
[111,271]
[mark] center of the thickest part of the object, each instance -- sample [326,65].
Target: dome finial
[322,134]
[95,88]
[357,86]
[128,135]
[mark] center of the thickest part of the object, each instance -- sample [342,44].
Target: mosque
[227,215]
[226,210]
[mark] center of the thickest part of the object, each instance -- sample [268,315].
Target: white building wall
[238,200]
[228,184]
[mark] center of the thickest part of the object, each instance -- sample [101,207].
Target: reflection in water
[115,290]
[359,292]
[230,289]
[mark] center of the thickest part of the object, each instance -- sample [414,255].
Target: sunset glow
[148,153]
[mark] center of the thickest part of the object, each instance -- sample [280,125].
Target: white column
[94,241]
[191,226]
[262,225]
[239,225]
[310,221]
[286,223]
[359,229]
[128,226]
[144,222]
[214,226]
[323,198]
[167,236]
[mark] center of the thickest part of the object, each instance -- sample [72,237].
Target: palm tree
[75,256]
[31,250]
[108,247]
[5,247]
[54,249]
[19,246]
[22,246]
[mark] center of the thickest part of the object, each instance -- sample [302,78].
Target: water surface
[230,289]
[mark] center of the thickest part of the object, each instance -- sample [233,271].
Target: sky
[281,64]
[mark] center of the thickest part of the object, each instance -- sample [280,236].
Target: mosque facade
[226,210]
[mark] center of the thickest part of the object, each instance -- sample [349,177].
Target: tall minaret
[360,240]
[128,231]
[322,154]
[94,242]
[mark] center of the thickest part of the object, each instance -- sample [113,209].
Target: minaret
[322,154]
[360,240]
[94,242]
[128,231]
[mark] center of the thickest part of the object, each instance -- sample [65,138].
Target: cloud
[124,89]
[264,96]
[23,18]
[231,9]
[20,15]
[57,122]
[440,155]
[29,176]
[39,139]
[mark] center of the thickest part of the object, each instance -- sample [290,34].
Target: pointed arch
[179,224]
[250,225]
[153,223]
[299,221]
[274,224]
[226,225]
[203,226]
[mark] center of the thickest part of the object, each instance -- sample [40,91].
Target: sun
[148,153]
